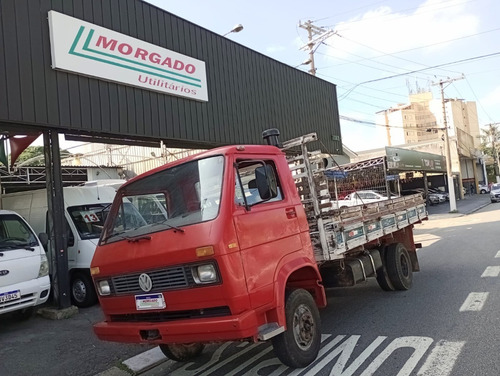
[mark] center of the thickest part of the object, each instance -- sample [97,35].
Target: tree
[490,144]
[33,156]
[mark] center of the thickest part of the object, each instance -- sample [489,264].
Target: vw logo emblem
[145,282]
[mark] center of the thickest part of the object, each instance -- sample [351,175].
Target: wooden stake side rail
[347,230]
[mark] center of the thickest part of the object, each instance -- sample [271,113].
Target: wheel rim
[79,291]
[405,269]
[303,327]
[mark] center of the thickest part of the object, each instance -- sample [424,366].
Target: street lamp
[235,29]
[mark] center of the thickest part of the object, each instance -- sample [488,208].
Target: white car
[495,192]
[483,188]
[24,269]
[361,198]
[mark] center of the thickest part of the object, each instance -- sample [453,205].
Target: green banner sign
[411,160]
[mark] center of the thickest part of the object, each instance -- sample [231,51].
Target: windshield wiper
[6,247]
[164,222]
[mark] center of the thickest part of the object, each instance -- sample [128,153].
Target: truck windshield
[88,219]
[14,233]
[179,196]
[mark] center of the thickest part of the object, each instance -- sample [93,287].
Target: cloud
[275,49]
[385,30]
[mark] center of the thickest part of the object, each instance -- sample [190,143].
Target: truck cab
[215,247]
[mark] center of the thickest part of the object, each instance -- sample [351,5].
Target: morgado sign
[81,47]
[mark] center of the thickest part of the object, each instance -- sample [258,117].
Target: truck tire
[82,290]
[299,345]
[182,352]
[382,276]
[399,266]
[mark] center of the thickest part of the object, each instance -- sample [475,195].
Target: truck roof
[223,150]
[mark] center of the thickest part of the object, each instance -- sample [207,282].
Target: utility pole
[451,185]
[313,43]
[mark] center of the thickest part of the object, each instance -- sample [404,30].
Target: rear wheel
[399,266]
[182,352]
[82,290]
[299,345]
[382,277]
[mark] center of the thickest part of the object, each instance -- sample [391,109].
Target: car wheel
[382,277]
[399,266]
[82,290]
[26,313]
[183,351]
[299,345]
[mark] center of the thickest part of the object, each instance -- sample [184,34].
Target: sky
[379,51]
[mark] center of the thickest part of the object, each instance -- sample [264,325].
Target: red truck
[239,243]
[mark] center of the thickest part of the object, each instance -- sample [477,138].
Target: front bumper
[33,293]
[217,329]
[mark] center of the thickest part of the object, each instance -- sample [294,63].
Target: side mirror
[266,182]
[44,239]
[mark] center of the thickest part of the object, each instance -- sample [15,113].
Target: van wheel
[299,345]
[382,277]
[182,352]
[26,313]
[399,266]
[82,290]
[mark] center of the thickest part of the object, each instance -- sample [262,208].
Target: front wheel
[82,290]
[399,266]
[182,352]
[299,345]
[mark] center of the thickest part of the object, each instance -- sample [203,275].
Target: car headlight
[205,273]
[44,266]
[103,287]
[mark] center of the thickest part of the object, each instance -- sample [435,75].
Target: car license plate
[149,301]
[10,295]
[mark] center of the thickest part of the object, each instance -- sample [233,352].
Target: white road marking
[420,344]
[442,359]
[474,302]
[491,271]
[497,255]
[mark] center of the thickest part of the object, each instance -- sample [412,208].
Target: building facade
[419,125]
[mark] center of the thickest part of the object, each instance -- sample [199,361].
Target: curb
[137,364]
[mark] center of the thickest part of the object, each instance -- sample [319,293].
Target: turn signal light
[205,251]
[95,270]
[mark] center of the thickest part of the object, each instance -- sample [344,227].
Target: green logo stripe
[73,52]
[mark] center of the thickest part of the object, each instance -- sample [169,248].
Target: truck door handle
[290,213]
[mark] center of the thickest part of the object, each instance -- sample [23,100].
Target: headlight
[204,273]
[103,287]
[44,266]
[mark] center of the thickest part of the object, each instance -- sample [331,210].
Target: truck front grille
[164,279]
[161,316]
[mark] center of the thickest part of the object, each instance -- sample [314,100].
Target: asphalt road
[447,324]
[432,329]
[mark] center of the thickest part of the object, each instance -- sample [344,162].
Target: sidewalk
[470,204]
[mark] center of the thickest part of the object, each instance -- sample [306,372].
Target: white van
[24,269]
[83,213]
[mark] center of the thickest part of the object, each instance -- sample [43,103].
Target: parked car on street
[495,192]
[483,188]
[24,268]
[362,198]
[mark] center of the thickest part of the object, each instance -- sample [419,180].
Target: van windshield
[14,233]
[179,196]
[88,219]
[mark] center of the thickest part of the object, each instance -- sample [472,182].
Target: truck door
[267,229]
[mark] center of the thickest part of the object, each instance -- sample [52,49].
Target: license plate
[10,295]
[149,301]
